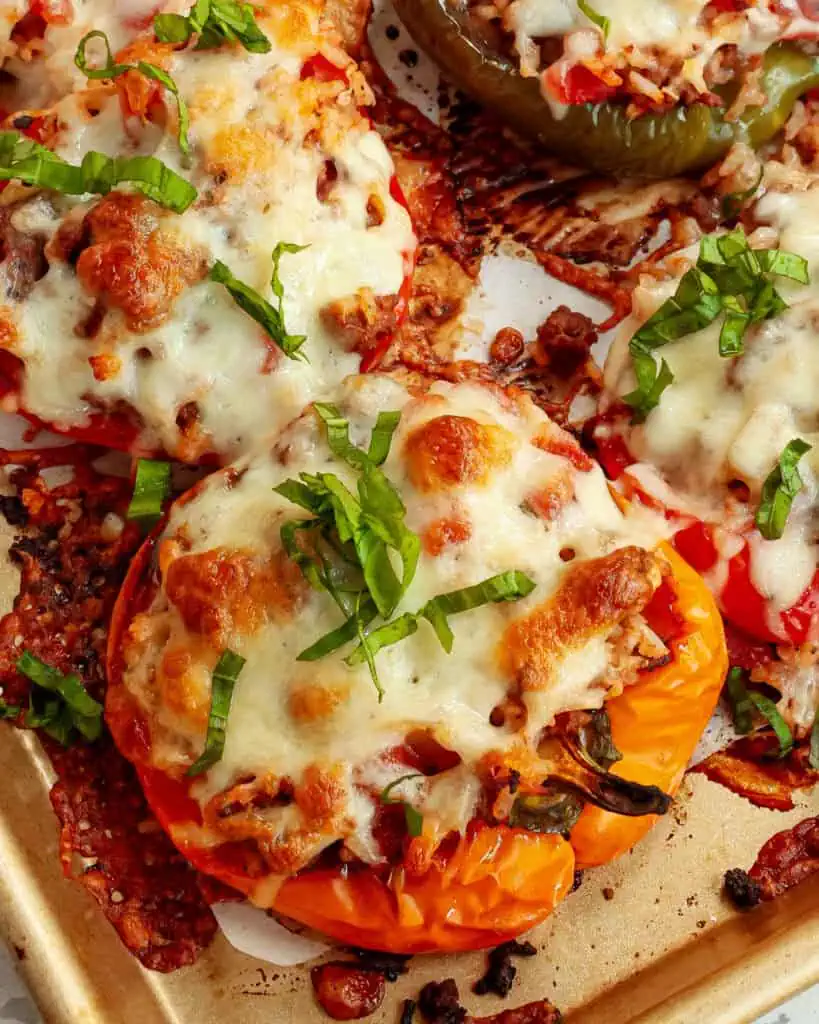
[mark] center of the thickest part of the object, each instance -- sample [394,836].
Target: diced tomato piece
[613,455]
[726,6]
[579,85]
[320,67]
[740,601]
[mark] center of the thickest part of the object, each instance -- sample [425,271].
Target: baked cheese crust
[489,485]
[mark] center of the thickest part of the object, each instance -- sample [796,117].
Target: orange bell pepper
[497,882]
[657,722]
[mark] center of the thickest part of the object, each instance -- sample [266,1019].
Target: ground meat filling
[23,257]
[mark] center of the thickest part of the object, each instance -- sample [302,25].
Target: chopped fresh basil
[766,707]
[113,70]
[695,305]
[506,586]
[603,23]
[183,119]
[27,161]
[215,22]
[150,176]
[70,710]
[110,69]
[813,756]
[275,281]
[597,742]
[555,812]
[152,486]
[651,382]
[742,708]
[347,550]
[413,818]
[270,318]
[780,488]
[223,681]
[381,438]
[385,636]
[784,264]
[338,436]
[369,524]
[744,702]
[368,649]
[347,632]
[729,278]
[52,716]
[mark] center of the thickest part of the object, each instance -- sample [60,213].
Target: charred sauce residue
[750,768]
[787,859]
[347,992]
[352,989]
[500,971]
[439,1003]
[73,546]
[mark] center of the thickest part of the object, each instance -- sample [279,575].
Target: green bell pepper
[601,136]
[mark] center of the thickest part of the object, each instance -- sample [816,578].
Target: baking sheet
[647,939]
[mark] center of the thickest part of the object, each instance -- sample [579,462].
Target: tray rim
[755,961]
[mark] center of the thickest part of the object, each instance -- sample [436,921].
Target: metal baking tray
[648,939]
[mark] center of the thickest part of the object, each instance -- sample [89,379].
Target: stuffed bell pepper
[399,673]
[195,186]
[711,416]
[627,86]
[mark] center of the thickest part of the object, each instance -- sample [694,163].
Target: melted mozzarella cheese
[673,25]
[451,696]
[666,23]
[791,206]
[261,138]
[730,419]
[676,29]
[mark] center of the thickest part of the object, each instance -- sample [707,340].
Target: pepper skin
[498,882]
[657,722]
[601,136]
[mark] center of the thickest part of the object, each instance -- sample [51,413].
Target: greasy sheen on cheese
[490,484]
[724,421]
[664,43]
[122,316]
